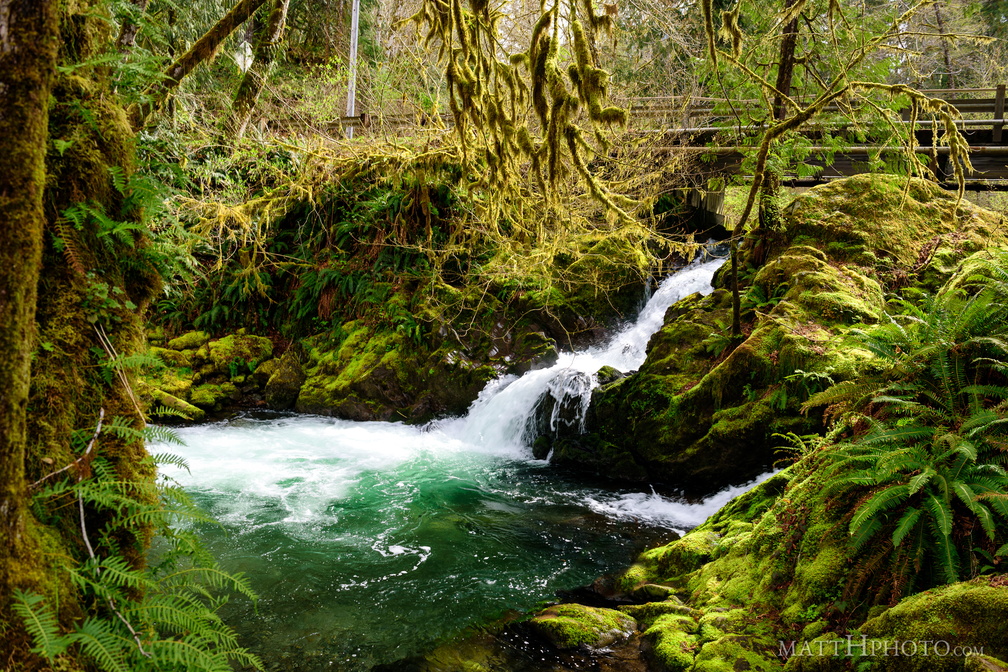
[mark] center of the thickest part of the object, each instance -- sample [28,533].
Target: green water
[371,542]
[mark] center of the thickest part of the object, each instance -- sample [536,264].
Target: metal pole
[351,99]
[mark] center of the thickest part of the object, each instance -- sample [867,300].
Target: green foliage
[928,436]
[157,617]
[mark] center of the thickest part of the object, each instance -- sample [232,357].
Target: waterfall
[512,410]
[369,542]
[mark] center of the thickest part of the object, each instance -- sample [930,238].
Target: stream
[371,542]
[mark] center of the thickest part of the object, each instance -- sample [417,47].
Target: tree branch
[205,47]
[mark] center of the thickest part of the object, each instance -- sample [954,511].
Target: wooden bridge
[703,126]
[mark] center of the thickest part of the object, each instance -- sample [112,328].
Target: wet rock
[608,374]
[571,626]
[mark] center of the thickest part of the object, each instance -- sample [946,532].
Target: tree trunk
[945,46]
[29,40]
[204,48]
[769,212]
[769,219]
[255,77]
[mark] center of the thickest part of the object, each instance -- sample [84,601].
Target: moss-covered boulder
[702,411]
[958,619]
[238,354]
[284,383]
[191,340]
[669,643]
[571,626]
[200,375]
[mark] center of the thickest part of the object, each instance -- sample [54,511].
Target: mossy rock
[572,626]
[669,647]
[174,358]
[608,374]
[191,340]
[264,370]
[984,663]
[282,389]
[647,613]
[731,653]
[208,397]
[972,614]
[238,354]
[373,374]
[702,411]
[653,592]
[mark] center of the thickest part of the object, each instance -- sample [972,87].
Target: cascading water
[370,542]
[504,413]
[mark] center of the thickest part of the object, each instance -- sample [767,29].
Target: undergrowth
[162,616]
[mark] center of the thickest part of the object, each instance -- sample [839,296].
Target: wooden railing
[980,108]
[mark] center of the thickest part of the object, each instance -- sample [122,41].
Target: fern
[929,432]
[99,640]
[41,623]
[156,617]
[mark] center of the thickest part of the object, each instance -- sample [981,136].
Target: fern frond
[947,556]
[162,434]
[41,623]
[213,577]
[881,501]
[100,642]
[941,514]
[905,524]
[170,460]
[863,534]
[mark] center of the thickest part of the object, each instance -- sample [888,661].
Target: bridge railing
[980,108]
[692,113]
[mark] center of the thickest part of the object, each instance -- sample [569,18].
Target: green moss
[672,648]
[731,653]
[637,574]
[190,340]
[970,614]
[570,626]
[647,613]
[653,592]
[264,370]
[282,389]
[173,358]
[984,663]
[239,353]
[207,396]
[608,374]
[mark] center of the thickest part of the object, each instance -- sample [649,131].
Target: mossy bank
[702,410]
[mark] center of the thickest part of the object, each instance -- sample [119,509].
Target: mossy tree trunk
[255,77]
[202,50]
[29,32]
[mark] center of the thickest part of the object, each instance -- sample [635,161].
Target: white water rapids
[368,542]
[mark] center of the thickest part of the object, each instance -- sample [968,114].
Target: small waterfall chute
[513,412]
